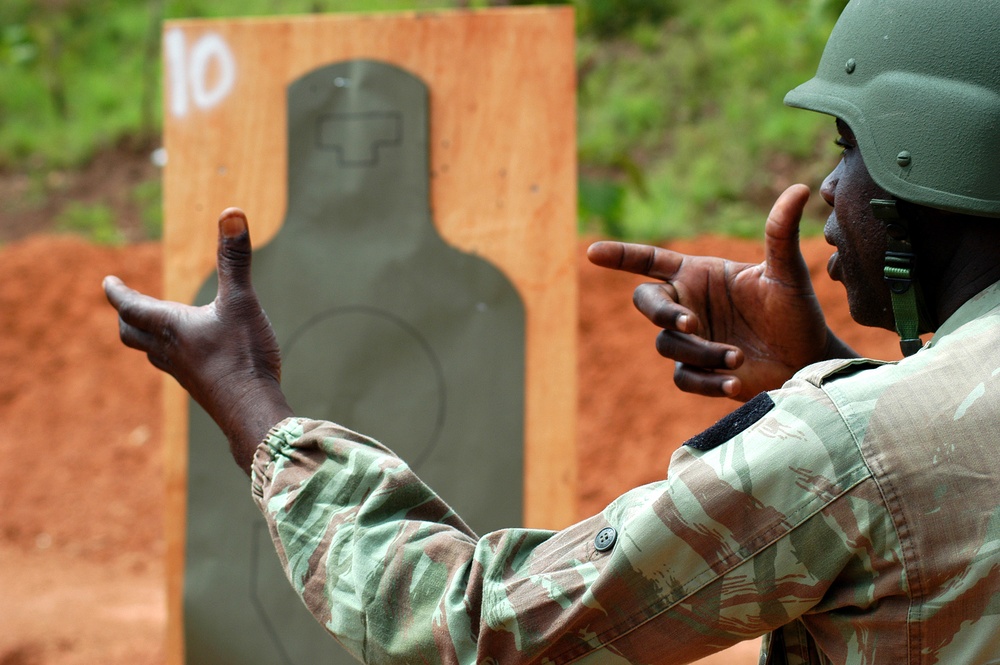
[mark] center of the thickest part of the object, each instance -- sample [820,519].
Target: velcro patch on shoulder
[733,424]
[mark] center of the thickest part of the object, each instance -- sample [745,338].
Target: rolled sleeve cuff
[279,439]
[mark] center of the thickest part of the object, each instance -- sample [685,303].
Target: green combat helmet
[918,82]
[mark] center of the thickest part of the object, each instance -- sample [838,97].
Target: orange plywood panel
[503,185]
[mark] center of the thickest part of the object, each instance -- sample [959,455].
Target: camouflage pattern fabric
[857,521]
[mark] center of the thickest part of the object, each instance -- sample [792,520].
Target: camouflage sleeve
[737,541]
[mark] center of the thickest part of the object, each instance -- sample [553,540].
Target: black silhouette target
[383,403]
[385,329]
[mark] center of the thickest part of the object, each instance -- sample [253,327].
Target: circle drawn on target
[371,371]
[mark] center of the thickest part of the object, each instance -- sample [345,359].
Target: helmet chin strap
[900,265]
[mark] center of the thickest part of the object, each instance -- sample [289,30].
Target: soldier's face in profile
[857,234]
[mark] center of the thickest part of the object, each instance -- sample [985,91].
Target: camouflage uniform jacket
[856,519]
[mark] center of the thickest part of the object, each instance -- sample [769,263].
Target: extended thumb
[234,250]
[784,257]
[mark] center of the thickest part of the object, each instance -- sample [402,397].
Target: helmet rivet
[850,66]
[904,158]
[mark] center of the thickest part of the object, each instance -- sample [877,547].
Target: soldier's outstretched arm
[395,575]
[735,329]
[224,353]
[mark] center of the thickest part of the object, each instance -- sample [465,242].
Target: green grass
[149,198]
[93,221]
[684,121]
[681,124]
[88,76]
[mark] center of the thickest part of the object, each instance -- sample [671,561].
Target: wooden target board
[501,181]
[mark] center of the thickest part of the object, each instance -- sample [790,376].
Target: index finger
[134,308]
[654,262]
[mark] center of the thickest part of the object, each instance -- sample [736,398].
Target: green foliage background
[681,125]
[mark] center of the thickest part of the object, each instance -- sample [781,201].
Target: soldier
[849,511]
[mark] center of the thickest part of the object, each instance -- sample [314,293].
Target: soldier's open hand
[224,354]
[734,329]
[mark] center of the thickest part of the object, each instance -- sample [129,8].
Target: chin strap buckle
[898,272]
[900,264]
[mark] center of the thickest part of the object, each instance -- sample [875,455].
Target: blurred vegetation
[681,125]
[149,197]
[682,129]
[95,221]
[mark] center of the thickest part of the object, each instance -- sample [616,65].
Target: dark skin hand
[224,354]
[735,329]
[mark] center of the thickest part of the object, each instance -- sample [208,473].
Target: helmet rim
[915,82]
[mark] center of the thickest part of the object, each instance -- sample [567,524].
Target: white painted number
[188,72]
